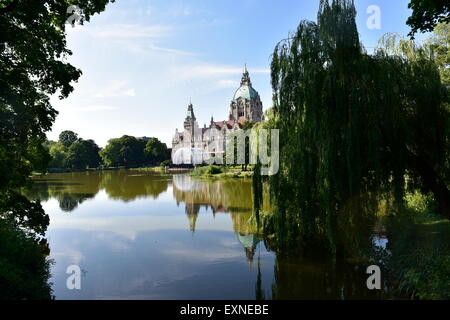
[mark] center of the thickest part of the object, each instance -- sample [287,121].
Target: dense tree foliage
[354,127]
[156,151]
[124,151]
[67,138]
[427,14]
[440,47]
[24,270]
[132,152]
[33,66]
[83,154]
[58,154]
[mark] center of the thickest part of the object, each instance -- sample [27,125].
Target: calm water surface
[141,235]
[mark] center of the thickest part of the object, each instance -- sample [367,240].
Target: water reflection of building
[231,197]
[249,242]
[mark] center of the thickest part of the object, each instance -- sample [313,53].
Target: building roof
[246,92]
[230,123]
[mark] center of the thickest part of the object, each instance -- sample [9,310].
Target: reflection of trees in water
[24,263]
[310,273]
[71,189]
[321,279]
[128,185]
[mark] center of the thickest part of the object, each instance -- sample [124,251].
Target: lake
[147,235]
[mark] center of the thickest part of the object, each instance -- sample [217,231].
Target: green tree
[155,151]
[83,154]
[427,14]
[124,151]
[67,138]
[33,66]
[59,156]
[353,127]
[440,45]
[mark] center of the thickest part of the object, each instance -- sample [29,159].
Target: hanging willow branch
[352,127]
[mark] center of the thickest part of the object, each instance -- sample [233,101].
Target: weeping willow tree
[354,128]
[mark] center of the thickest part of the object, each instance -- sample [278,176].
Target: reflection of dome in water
[247,240]
[183,182]
[188,156]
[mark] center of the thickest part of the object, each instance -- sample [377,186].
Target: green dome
[246,92]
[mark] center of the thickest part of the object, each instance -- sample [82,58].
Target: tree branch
[10,7]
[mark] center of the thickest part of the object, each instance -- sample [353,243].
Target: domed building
[245,106]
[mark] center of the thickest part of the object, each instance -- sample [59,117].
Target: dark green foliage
[427,14]
[33,66]
[352,126]
[165,163]
[207,170]
[83,154]
[155,151]
[257,191]
[24,268]
[440,46]
[419,252]
[126,151]
[134,152]
[67,138]
[21,213]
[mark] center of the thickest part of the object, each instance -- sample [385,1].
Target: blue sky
[143,60]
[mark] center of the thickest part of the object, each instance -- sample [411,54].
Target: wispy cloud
[135,38]
[171,51]
[227,83]
[124,31]
[131,31]
[92,107]
[115,89]
[210,71]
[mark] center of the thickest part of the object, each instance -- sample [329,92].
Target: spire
[245,81]
[190,112]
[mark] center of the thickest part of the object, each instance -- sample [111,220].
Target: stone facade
[245,106]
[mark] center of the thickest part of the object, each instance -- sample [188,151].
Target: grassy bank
[63,170]
[220,172]
[420,251]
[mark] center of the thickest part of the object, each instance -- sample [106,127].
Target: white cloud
[171,51]
[209,71]
[130,31]
[92,107]
[124,31]
[115,89]
[227,84]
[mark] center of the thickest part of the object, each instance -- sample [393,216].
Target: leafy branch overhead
[427,14]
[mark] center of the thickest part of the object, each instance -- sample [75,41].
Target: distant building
[245,106]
